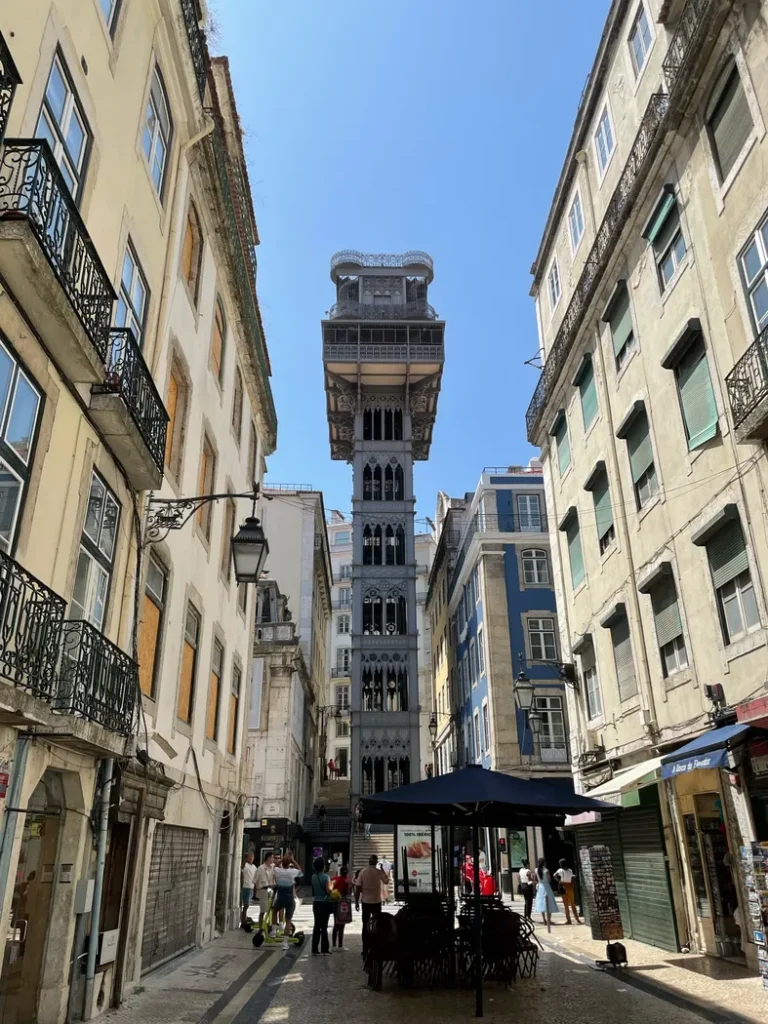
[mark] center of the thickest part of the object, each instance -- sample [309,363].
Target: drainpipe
[101,857]
[13,799]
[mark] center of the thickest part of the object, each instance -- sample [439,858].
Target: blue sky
[415,124]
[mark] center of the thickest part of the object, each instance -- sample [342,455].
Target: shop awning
[623,788]
[710,750]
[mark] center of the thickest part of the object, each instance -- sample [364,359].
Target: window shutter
[574,552]
[639,447]
[730,123]
[666,611]
[601,495]
[588,394]
[563,445]
[696,396]
[659,218]
[621,321]
[622,653]
[727,554]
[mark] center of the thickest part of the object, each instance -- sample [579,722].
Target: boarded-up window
[226,539]
[192,252]
[218,339]
[237,405]
[150,629]
[176,404]
[186,699]
[214,689]
[234,709]
[207,478]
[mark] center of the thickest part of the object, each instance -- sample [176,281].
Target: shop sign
[713,759]
[759,764]
[417,843]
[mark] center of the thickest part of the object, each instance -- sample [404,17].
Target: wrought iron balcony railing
[9,79]
[341,673]
[505,522]
[198,47]
[97,680]
[371,259]
[127,375]
[369,311]
[32,188]
[691,23]
[31,617]
[747,383]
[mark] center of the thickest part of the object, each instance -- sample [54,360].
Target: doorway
[222,872]
[342,761]
[31,902]
[715,865]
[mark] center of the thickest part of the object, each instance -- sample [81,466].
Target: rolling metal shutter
[173,893]
[646,876]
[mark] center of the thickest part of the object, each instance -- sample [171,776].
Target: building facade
[339,741]
[651,417]
[126,286]
[383,356]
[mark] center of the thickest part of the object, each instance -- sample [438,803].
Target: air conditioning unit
[591,740]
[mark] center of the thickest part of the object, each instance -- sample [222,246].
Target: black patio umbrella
[480,798]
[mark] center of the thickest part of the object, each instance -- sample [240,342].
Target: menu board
[415,842]
[754,861]
[599,888]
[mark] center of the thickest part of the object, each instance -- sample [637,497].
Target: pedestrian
[331,768]
[321,816]
[247,877]
[386,867]
[564,875]
[368,888]
[342,909]
[321,907]
[265,880]
[285,892]
[358,817]
[545,898]
[333,867]
[527,888]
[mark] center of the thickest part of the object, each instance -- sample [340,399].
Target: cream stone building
[132,360]
[651,412]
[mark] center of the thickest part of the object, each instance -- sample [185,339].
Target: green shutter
[588,393]
[666,611]
[727,554]
[563,444]
[622,653]
[639,446]
[696,396]
[730,123]
[601,495]
[659,219]
[621,321]
[574,552]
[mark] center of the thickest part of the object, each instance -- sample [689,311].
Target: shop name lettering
[689,766]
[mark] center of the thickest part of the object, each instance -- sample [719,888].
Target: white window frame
[590,676]
[575,204]
[476,735]
[71,168]
[476,579]
[342,537]
[473,662]
[674,656]
[550,706]
[529,519]
[343,659]
[342,696]
[110,10]
[639,68]
[605,113]
[467,674]
[533,556]
[541,632]
[98,562]
[486,727]
[344,601]
[759,239]
[738,585]
[554,283]
[135,318]
[154,128]
[344,619]
[481,651]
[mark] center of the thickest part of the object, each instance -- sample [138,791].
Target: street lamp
[249,551]
[535,722]
[433,728]
[524,691]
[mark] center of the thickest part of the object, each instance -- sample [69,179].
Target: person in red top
[342,910]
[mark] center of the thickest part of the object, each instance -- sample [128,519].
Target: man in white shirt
[247,877]
[564,875]
[265,880]
[527,888]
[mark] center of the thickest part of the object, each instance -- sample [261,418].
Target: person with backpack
[545,898]
[321,907]
[564,876]
[342,907]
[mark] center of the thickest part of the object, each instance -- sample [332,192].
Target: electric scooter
[263,937]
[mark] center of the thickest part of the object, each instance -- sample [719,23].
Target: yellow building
[132,360]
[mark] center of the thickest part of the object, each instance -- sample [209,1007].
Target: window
[592,696]
[345,572]
[640,40]
[641,463]
[562,443]
[604,144]
[601,496]
[207,480]
[697,399]
[132,297]
[110,9]
[588,393]
[253,446]
[230,525]
[480,652]
[553,284]
[478,748]
[97,551]
[529,513]
[185,701]
[575,555]
[622,656]
[535,567]
[468,600]
[176,406]
[486,728]
[732,581]
[729,120]
[345,596]
[191,264]
[541,639]
[343,624]
[666,236]
[234,708]
[754,268]
[343,537]
[343,659]
[157,131]
[237,405]
[19,415]
[151,625]
[214,690]
[218,340]
[669,627]
[619,317]
[62,123]
[552,732]
[575,222]
[242,597]
[473,661]
[342,697]
[467,674]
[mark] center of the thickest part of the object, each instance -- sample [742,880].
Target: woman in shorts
[285,892]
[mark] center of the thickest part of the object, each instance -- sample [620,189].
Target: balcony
[128,410]
[507,522]
[31,617]
[554,754]
[341,673]
[198,47]
[747,385]
[50,263]
[9,79]
[352,258]
[276,633]
[97,680]
[368,311]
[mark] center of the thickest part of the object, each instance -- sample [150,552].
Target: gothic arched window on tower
[376,496]
[395,624]
[393,775]
[389,543]
[378,775]
[377,546]
[367,483]
[367,546]
[367,767]
[399,546]
[389,483]
[405,771]
[368,424]
[399,484]
[373,609]
[397,429]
